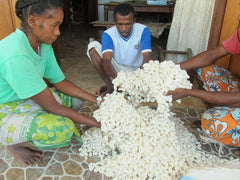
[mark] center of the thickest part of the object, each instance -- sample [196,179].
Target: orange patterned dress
[221,123]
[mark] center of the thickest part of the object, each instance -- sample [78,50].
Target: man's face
[47,26]
[124,24]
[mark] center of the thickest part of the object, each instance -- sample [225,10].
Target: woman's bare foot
[23,153]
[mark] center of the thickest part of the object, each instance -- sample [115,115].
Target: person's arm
[204,59]
[109,69]
[146,45]
[69,88]
[107,50]
[218,98]
[146,58]
[46,100]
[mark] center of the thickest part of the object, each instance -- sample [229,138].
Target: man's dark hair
[124,10]
[24,8]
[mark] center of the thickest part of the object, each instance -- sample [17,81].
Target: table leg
[105,14]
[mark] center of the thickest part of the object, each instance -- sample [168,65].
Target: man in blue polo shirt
[125,47]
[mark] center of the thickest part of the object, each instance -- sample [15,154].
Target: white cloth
[218,173]
[190,27]
[229,170]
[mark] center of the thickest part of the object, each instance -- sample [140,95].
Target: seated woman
[222,122]
[32,115]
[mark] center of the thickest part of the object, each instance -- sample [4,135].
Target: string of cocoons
[138,142]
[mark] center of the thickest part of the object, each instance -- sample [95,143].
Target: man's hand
[100,90]
[146,58]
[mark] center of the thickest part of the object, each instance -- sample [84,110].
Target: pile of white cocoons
[138,142]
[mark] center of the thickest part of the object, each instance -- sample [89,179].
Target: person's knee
[218,124]
[52,123]
[94,56]
[65,130]
[92,53]
[94,49]
[68,123]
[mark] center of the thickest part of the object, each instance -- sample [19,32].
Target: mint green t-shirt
[22,69]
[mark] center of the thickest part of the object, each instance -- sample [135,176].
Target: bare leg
[24,153]
[98,65]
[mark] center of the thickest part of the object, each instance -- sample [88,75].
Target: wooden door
[8,19]
[78,10]
[92,10]
[227,14]
[67,12]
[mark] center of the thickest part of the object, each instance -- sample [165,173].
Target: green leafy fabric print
[51,134]
[8,140]
[1,123]
[72,126]
[13,106]
[49,120]
[61,136]
[2,115]
[40,135]
[27,106]
[11,128]
[47,142]
[23,114]
[76,132]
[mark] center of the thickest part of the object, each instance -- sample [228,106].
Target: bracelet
[99,99]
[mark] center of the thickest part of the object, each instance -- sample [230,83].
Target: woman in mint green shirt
[31,114]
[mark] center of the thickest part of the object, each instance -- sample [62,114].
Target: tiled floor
[65,163]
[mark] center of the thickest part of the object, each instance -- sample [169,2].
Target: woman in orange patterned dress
[222,122]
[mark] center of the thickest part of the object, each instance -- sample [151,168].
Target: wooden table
[106,24]
[139,7]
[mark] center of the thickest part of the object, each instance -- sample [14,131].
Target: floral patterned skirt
[221,123]
[26,121]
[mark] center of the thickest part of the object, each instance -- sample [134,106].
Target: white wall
[101,9]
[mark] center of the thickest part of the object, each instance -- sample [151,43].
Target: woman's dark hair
[124,10]
[24,8]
